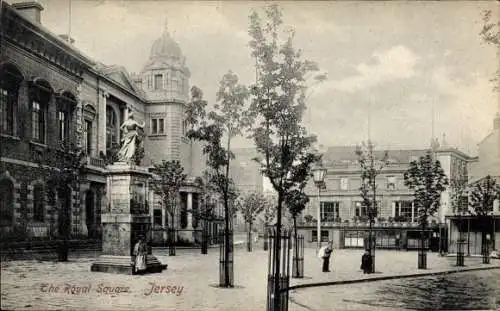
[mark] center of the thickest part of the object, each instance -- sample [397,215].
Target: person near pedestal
[325,253]
[366,262]
[140,253]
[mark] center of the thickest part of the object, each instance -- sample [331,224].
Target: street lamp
[319,180]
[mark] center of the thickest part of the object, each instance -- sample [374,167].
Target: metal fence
[279,261]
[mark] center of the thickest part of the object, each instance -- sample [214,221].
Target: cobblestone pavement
[345,265]
[194,276]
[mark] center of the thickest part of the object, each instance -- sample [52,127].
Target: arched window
[111,127]
[6,202]
[39,203]
[40,95]
[10,80]
[66,103]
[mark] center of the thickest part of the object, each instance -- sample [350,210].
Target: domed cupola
[165,47]
[165,77]
[166,53]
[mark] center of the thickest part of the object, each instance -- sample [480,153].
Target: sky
[394,59]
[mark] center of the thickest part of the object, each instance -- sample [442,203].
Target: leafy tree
[370,169]
[62,167]
[226,119]
[250,205]
[427,180]
[168,179]
[491,35]
[268,214]
[277,110]
[208,194]
[482,197]
[208,207]
[458,200]
[296,201]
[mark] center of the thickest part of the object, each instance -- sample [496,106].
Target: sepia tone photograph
[249,155]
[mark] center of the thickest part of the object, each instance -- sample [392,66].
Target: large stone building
[343,217]
[51,93]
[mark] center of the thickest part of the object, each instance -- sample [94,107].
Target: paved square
[189,283]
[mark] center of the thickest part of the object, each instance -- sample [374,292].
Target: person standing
[140,253]
[326,252]
[366,262]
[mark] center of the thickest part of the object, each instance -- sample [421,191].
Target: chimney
[67,39]
[30,10]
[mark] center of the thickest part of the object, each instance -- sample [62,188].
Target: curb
[237,243]
[389,277]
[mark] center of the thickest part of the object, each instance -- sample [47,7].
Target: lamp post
[319,180]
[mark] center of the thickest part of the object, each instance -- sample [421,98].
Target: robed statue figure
[131,139]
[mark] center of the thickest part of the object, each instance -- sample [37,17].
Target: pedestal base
[125,265]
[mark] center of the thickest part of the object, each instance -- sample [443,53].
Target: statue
[131,140]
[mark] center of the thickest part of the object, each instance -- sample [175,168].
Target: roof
[120,75]
[343,154]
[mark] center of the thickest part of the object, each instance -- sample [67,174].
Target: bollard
[460,253]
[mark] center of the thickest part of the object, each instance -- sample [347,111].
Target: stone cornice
[41,41]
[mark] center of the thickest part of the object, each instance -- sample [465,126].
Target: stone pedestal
[126,219]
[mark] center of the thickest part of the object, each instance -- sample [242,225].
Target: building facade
[339,204]
[51,93]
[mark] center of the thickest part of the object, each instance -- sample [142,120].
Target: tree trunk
[296,248]
[276,250]
[249,245]
[226,211]
[64,225]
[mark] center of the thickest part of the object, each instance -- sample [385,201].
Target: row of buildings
[344,221]
[51,94]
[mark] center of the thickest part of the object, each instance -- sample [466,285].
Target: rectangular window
[161,126]
[158,82]
[344,184]
[404,211]
[154,126]
[360,210]
[314,236]
[38,122]
[329,211]
[62,125]
[88,137]
[324,236]
[157,217]
[157,126]
[6,113]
